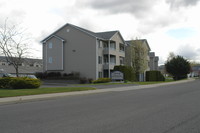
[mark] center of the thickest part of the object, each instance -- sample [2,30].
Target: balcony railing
[109,65]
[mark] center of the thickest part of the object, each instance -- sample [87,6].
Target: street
[164,109]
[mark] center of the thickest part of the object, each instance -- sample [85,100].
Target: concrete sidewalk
[20,99]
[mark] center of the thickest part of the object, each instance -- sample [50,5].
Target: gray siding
[55,53]
[79,52]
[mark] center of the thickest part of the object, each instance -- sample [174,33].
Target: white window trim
[50,45]
[50,61]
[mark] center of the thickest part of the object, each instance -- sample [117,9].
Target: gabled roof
[3,59]
[49,37]
[129,42]
[22,69]
[84,30]
[106,35]
[25,60]
[100,35]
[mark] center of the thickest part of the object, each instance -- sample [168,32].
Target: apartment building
[75,49]
[27,67]
[153,64]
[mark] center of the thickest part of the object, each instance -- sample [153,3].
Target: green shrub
[54,75]
[24,83]
[154,76]
[83,80]
[58,75]
[41,75]
[90,80]
[19,83]
[5,82]
[102,80]
[128,71]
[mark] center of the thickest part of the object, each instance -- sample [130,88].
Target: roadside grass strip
[25,92]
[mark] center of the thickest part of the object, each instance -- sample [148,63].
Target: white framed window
[113,45]
[100,60]
[50,44]
[121,47]
[121,60]
[112,59]
[50,60]
[100,44]
[105,45]
[68,30]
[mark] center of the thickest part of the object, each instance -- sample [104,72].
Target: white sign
[117,75]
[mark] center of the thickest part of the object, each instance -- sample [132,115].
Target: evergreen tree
[178,67]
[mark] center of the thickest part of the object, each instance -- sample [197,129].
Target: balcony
[107,51]
[107,66]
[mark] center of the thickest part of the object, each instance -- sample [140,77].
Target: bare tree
[13,45]
[171,56]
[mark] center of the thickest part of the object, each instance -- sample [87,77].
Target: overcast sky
[168,25]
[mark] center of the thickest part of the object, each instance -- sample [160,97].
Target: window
[105,58]
[68,30]
[50,45]
[105,45]
[100,60]
[112,45]
[112,59]
[121,48]
[21,64]
[99,44]
[100,75]
[121,59]
[50,59]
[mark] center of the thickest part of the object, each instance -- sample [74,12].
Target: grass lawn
[138,83]
[23,92]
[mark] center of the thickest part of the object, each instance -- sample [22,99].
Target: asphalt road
[165,109]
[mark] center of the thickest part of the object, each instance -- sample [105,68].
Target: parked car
[31,76]
[6,75]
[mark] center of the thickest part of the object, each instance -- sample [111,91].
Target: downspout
[46,55]
[97,58]
[63,55]
[131,56]
[108,58]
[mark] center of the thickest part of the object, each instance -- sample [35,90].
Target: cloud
[174,4]
[188,52]
[161,61]
[134,7]
[159,21]
[150,15]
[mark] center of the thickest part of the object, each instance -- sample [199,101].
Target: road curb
[20,99]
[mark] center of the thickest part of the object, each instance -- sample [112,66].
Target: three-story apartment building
[74,49]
